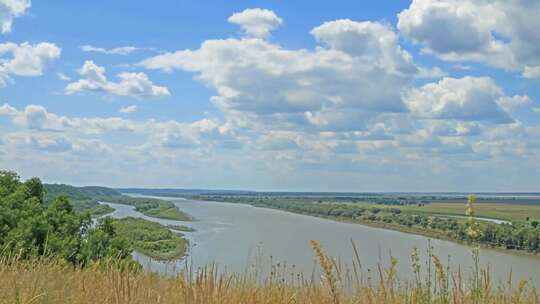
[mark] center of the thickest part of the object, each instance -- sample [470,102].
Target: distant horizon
[240,190]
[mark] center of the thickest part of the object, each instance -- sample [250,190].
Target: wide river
[236,236]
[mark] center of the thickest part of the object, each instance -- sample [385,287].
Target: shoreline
[409,230]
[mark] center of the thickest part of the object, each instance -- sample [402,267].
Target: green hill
[82,198]
[77,193]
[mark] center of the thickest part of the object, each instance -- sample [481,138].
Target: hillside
[77,193]
[82,198]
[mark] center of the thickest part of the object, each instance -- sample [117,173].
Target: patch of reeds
[49,281]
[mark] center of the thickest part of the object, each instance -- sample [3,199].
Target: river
[234,236]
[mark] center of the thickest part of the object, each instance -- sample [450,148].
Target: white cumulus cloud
[10,9]
[25,59]
[503,34]
[131,84]
[358,72]
[256,22]
[465,99]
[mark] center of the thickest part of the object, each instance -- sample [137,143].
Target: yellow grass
[54,282]
[511,212]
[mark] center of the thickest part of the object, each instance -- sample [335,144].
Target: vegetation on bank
[95,209]
[152,239]
[152,207]
[502,211]
[523,236]
[48,281]
[181,228]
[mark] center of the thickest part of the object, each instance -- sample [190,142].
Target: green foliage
[152,239]
[152,207]
[78,193]
[88,198]
[30,228]
[83,199]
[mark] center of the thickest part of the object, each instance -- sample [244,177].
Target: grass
[164,211]
[152,239]
[509,212]
[100,210]
[47,282]
[513,212]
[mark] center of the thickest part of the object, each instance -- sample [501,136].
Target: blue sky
[416,95]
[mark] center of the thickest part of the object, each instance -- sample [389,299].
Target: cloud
[128,109]
[350,102]
[369,40]
[458,30]
[40,142]
[389,144]
[350,109]
[256,22]
[124,50]
[6,109]
[531,72]
[10,9]
[278,140]
[37,118]
[131,84]
[25,59]
[199,134]
[63,76]
[335,86]
[60,144]
[464,99]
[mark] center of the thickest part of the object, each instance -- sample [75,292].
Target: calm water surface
[236,236]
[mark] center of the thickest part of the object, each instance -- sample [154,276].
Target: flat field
[503,211]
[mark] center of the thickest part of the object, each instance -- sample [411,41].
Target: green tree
[28,228]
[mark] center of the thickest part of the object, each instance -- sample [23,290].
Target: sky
[419,95]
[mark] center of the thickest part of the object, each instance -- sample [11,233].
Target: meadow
[502,211]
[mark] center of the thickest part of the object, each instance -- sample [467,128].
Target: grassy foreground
[47,282]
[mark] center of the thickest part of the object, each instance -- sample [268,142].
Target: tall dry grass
[48,281]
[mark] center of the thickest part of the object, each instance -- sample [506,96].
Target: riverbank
[519,238]
[434,234]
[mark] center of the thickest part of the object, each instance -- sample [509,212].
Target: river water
[235,236]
